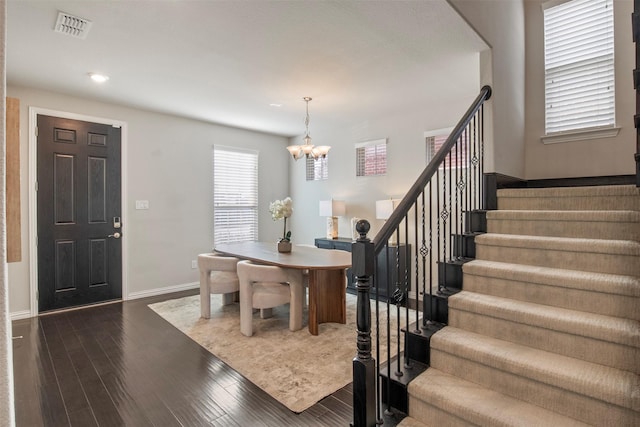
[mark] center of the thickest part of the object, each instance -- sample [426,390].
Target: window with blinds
[371,158]
[579,67]
[317,169]
[459,157]
[235,195]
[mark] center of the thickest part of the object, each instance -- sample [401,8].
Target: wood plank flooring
[123,365]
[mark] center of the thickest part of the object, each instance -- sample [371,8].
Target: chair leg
[205,295]
[266,313]
[295,307]
[246,309]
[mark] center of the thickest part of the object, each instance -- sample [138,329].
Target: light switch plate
[142,204]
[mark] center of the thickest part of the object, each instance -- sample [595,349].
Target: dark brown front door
[79,210]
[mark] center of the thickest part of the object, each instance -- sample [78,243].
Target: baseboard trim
[162,291]
[19,315]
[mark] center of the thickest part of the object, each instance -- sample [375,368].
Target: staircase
[546,330]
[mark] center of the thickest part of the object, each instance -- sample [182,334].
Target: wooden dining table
[327,277]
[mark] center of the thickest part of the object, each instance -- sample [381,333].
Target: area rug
[296,368]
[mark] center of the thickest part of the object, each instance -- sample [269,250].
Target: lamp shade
[384,208]
[332,208]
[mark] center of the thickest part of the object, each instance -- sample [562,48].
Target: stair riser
[450,275]
[556,296]
[579,347]
[464,245]
[604,203]
[433,415]
[580,261]
[436,308]
[435,392]
[475,221]
[571,404]
[585,230]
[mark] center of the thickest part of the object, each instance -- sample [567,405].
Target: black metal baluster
[457,235]
[387,411]
[439,237]
[482,195]
[450,210]
[407,283]
[420,290]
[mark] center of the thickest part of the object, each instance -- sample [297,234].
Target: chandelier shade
[307,149]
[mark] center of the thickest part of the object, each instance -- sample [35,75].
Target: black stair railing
[635,20]
[427,230]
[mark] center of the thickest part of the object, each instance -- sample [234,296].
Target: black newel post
[364,366]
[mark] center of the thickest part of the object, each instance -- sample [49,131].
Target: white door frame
[33,196]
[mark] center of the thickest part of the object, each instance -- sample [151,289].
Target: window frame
[607,97]
[444,134]
[248,225]
[365,156]
[317,169]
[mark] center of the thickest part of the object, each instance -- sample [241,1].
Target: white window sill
[580,135]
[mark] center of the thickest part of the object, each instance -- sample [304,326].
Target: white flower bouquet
[282,209]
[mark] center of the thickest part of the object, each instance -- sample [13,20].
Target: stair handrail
[366,411]
[416,189]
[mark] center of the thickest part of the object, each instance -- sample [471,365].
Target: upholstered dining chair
[218,275]
[265,287]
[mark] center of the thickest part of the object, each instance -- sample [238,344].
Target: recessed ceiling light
[98,78]
[274,104]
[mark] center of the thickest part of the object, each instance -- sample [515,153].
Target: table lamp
[332,209]
[384,209]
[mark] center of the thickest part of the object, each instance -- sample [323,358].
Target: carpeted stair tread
[411,422]
[601,256]
[623,225]
[599,282]
[475,404]
[586,191]
[595,326]
[564,215]
[600,293]
[618,197]
[606,340]
[614,386]
[613,247]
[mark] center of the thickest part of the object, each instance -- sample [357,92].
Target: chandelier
[308,149]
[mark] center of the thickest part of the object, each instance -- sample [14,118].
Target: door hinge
[36,186]
[36,131]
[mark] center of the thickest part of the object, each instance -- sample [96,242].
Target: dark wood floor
[123,365]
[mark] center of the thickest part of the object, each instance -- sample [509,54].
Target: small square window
[371,158]
[459,157]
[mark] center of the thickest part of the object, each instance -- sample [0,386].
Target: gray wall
[501,23]
[7,415]
[406,155]
[168,163]
[596,157]
[514,30]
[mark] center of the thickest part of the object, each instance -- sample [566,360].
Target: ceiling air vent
[72,25]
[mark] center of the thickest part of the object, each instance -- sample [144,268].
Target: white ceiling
[226,61]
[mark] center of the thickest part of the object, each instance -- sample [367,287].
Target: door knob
[115,235]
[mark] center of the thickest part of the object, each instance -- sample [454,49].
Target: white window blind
[235,195]
[459,154]
[579,65]
[317,169]
[371,158]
